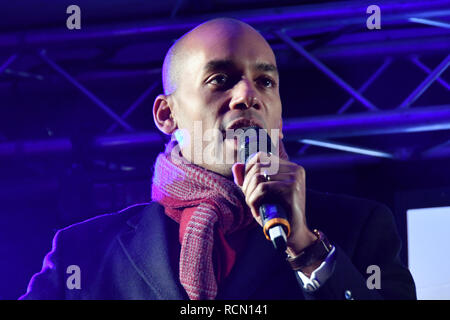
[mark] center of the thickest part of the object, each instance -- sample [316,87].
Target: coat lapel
[151,243]
[259,272]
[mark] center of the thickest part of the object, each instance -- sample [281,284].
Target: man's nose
[244,95]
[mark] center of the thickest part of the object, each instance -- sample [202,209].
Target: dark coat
[134,254]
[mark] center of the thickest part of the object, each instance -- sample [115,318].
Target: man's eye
[219,80]
[266,82]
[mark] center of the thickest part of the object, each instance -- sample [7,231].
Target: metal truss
[8,62]
[419,119]
[356,94]
[306,19]
[387,62]
[427,70]
[301,20]
[433,75]
[85,91]
[322,67]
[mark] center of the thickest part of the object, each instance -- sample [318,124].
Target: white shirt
[320,274]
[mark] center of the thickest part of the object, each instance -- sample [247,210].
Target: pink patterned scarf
[207,206]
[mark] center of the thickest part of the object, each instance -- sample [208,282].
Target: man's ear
[162,114]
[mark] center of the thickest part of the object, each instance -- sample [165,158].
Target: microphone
[276,225]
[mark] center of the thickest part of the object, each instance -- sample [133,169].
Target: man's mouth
[238,124]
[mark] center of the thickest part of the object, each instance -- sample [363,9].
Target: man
[201,237]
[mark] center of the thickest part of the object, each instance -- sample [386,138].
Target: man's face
[229,80]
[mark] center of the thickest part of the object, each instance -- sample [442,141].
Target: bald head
[206,34]
[221,71]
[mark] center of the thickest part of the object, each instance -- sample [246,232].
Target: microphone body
[275,222]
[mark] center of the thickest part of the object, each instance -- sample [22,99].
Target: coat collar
[156,262]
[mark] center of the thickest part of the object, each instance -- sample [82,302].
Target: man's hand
[286,187]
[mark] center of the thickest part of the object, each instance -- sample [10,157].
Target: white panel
[429,251]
